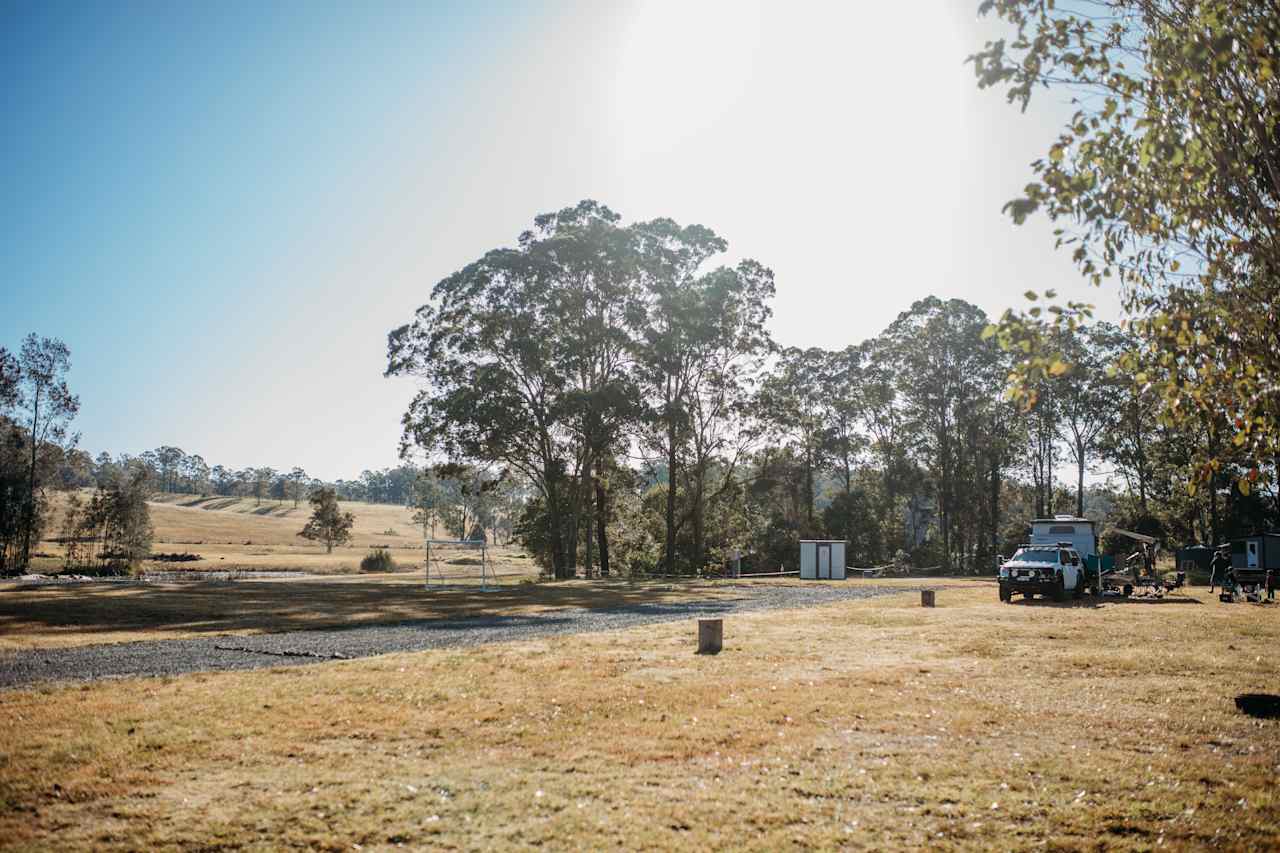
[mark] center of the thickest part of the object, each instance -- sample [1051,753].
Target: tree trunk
[29,517]
[1079,482]
[1213,509]
[588,538]
[808,486]
[995,505]
[699,513]
[555,520]
[1048,481]
[602,527]
[671,498]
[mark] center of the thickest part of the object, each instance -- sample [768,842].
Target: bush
[378,560]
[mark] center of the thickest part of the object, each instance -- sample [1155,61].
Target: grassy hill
[242,534]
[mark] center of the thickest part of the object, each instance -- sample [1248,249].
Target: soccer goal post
[457,562]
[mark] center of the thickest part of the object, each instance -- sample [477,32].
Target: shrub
[378,560]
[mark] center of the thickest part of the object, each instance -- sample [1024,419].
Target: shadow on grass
[273,510]
[1091,603]
[293,605]
[209,502]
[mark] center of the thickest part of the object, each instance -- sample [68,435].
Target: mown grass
[875,724]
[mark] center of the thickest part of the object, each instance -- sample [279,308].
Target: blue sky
[223,208]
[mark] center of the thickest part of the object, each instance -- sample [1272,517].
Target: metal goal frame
[488,579]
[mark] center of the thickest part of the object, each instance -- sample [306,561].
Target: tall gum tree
[672,342]
[523,358]
[945,370]
[732,307]
[49,406]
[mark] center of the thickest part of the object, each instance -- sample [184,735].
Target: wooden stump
[710,636]
[926,598]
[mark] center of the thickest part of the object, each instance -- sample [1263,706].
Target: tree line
[174,471]
[633,384]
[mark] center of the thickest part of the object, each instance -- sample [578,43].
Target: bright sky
[223,208]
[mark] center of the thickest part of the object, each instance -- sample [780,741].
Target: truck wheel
[1078,592]
[1128,590]
[1005,595]
[1060,590]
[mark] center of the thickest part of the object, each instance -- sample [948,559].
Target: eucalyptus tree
[884,419]
[791,397]
[299,481]
[1041,433]
[523,362]
[10,373]
[944,371]
[196,473]
[47,406]
[733,307]
[841,398]
[675,337]
[1086,396]
[169,461]
[262,480]
[1167,179]
[597,305]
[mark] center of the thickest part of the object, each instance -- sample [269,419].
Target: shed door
[824,561]
[808,561]
[1251,558]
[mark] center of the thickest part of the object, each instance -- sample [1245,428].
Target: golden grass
[239,534]
[875,724]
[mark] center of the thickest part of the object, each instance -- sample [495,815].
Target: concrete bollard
[710,636]
[926,598]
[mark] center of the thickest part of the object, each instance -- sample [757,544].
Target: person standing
[1219,568]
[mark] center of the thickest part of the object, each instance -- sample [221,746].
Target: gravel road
[173,657]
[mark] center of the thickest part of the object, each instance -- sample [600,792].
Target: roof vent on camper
[1064,517]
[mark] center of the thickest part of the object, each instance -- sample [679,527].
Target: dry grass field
[874,724]
[240,534]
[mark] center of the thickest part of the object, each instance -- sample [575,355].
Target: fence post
[710,636]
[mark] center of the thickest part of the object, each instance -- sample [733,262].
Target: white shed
[822,559]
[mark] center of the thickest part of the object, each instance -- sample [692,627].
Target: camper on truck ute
[1078,533]
[1061,557]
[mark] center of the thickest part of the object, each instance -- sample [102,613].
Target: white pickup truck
[1047,570]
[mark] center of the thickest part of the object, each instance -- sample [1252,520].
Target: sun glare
[682,66]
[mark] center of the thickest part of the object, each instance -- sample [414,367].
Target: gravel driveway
[172,657]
